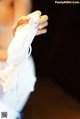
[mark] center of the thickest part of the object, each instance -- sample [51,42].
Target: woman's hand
[42,23]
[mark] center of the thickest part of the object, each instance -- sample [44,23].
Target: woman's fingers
[41,31]
[37,12]
[23,20]
[43,25]
[42,19]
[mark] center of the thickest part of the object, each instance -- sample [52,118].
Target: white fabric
[3,65]
[17,80]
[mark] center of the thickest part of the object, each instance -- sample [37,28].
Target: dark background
[57,53]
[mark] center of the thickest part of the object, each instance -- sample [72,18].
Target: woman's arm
[21,8]
[3,54]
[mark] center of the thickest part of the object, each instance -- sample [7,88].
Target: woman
[42,22]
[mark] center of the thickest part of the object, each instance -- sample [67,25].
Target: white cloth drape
[17,80]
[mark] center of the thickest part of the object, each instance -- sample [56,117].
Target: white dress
[17,80]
